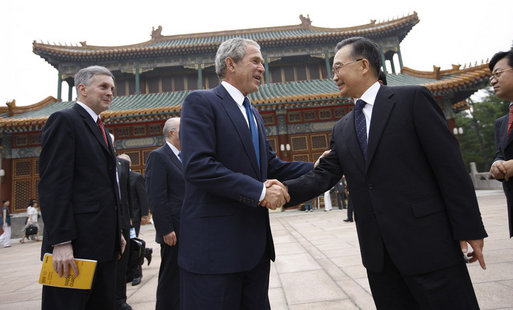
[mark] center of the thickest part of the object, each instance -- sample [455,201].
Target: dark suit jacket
[413,194]
[223,228]
[165,189]
[138,197]
[124,187]
[504,151]
[77,191]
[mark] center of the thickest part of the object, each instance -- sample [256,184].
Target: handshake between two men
[277,194]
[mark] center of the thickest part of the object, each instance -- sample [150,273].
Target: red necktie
[510,120]
[102,129]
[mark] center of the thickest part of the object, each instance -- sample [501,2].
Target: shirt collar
[236,95]
[369,96]
[89,110]
[173,148]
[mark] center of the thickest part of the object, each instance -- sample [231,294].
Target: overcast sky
[449,31]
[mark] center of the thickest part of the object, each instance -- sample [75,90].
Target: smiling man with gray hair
[226,243]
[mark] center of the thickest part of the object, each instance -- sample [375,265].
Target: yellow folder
[84,280]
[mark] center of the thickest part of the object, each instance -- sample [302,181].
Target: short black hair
[363,48]
[382,77]
[499,56]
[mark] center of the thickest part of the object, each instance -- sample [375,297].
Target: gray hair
[85,75]
[170,124]
[235,49]
[125,157]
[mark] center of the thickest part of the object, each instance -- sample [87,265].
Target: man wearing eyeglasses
[501,80]
[415,207]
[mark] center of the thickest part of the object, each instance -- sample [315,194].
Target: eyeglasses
[336,68]
[496,75]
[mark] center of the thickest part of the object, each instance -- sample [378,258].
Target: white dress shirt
[369,96]
[238,97]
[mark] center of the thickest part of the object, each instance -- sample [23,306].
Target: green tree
[477,143]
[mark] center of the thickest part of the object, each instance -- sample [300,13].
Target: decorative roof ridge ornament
[305,21]
[156,33]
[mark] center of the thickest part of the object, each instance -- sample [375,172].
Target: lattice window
[301,157]
[319,142]
[146,153]
[315,156]
[20,140]
[140,130]
[135,157]
[310,115]
[269,119]
[294,116]
[273,142]
[35,139]
[325,114]
[155,129]
[123,132]
[36,167]
[22,194]
[299,143]
[340,112]
[22,168]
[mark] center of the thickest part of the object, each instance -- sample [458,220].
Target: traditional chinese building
[298,100]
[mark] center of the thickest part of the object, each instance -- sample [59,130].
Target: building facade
[297,100]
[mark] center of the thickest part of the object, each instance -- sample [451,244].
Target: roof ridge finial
[305,21]
[156,33]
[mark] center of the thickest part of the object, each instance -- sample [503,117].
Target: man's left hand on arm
[477,253]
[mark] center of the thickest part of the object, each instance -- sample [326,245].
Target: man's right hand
[498,170]
[170,239]
[276,195]
[62,258]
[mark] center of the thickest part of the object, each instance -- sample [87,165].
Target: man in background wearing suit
[140,211]
[165,189]
[123,168]
[501,80]
[79,196]
[415,206]
[226,243]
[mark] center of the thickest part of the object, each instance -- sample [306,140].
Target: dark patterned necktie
[361,126]
[252,128]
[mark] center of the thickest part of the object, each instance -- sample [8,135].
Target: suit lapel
[173,157]
[504,128]
[95,130]
[235,115]
[383,106]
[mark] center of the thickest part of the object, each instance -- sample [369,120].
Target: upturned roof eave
[86,52]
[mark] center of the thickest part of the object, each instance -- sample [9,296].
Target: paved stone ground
[318,264]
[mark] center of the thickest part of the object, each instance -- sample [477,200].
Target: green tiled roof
[266,91]
[284,36]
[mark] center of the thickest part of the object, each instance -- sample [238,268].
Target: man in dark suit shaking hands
[165,189]
[501,80]
[415,206]
[226,243]
[78,194]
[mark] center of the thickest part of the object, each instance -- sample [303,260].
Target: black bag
[30,230]
[136,255]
